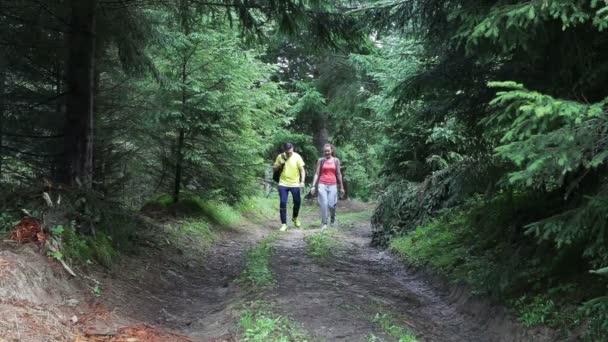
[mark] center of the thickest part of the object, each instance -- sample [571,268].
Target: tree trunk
[78,148]
[56,164]
[321,135]
[184,11]
[178,165]
[180,139]
[2,106]
[99,157]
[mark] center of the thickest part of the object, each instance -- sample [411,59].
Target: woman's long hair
[332,147]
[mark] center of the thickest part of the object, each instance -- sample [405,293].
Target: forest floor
[177,290]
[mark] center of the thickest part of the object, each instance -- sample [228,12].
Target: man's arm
[302,176]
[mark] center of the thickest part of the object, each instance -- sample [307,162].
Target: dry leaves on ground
[29,229]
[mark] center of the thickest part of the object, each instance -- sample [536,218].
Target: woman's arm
[339,176]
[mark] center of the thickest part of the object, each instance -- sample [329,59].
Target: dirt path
[172,286]
[337,299]
[176,287]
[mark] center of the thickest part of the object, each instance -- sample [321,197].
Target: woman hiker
[291,166]
[327,178]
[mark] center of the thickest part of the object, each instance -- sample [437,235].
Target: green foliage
[260,324]
[584,226]
[596,313]
[547,138]
[534,311]
[163,200]
[360,170]
[118,226]
[7,221]
[57,230]
[57,255]
[537,220]
[350,220]
[320,245]
[216,211]
[421,246]
[260,207]
[96,290]
[257,270]
[102,250]
[310,101]
[390,325]
[372,338]
[221,213]
[405,205]
[218,98]
[502,23]
[474,244]
[200,229]
[83,249]
[75,246]
[550,309]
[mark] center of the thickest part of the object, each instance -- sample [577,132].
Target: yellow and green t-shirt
[291,171]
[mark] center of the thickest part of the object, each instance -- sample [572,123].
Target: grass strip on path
[390,325]
[260,323]
[258,272]
[321,244]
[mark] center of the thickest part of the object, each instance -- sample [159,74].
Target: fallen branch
[67,268]
[47,199]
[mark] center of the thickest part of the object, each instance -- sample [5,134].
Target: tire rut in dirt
[338,299]
[192,296]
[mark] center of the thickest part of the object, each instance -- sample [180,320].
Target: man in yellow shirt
[292,179]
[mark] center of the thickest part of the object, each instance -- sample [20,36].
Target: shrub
[102,250]
[7,221]
[75,246]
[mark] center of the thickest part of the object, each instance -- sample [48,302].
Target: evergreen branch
[31,23]
[18,135]
[27,153]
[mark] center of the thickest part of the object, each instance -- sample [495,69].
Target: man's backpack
[276,174]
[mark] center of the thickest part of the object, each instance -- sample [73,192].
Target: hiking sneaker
[333,224]
[283,227]
[296,222]
[323,227]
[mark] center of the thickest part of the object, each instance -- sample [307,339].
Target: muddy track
[172,287]
[337,299]
[178,288]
